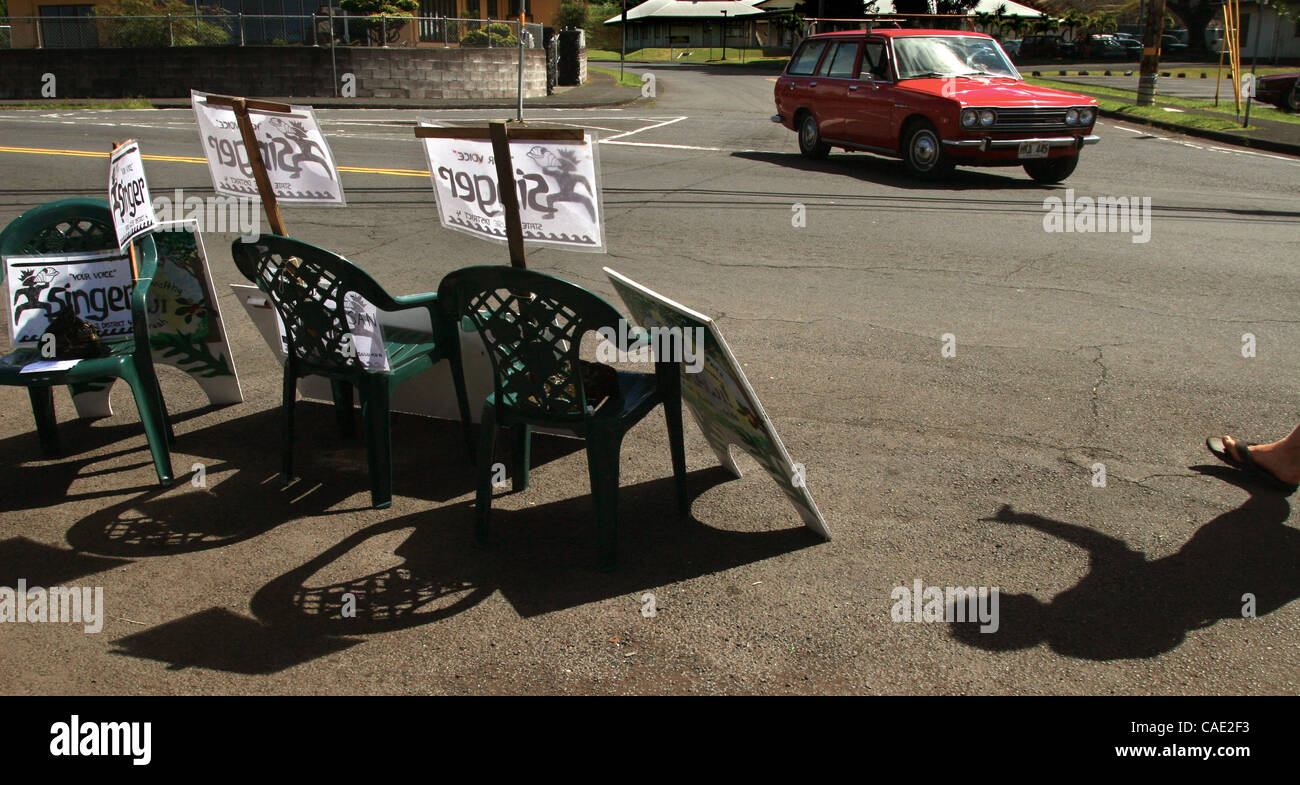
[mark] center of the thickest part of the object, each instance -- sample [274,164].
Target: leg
[1280,458]
[462,397]
[670,389]
[522,447]
[145,389]
[602,467]
[375,403]
[290,397]
[487,438]
[47,424]
[343,407]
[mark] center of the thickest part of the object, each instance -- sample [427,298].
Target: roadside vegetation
[1258,110]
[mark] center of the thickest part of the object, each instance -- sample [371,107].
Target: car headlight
[987,117]
[969,117]
[1072,117]
[1086,116]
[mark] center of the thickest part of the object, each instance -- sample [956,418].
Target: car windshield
[925,57]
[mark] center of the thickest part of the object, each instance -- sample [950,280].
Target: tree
[184,30]
[572,14]
[372,29]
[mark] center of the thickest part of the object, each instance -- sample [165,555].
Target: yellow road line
[187,159]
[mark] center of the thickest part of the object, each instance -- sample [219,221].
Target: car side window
[805,61]
[840,62]
[875,65]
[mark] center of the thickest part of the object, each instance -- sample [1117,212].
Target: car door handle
[812,84]
[853,87]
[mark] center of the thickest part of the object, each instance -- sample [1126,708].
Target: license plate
[1033,149]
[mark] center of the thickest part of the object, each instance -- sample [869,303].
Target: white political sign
[298,159]
[128,194]
[96,285]
[558,183]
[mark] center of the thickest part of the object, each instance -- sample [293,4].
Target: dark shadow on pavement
[44,565]
[220,640]
[891,172]
[242,495]
[541,558]
[1128,606]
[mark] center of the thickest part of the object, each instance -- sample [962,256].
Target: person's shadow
[1128,606]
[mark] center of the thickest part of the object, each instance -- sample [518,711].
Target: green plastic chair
[307,286]
[70,226]
[533,325]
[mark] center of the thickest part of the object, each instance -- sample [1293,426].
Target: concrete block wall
[429,73]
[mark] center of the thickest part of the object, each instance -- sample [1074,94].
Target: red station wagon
[935,98]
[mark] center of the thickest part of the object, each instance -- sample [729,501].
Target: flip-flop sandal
[1246,462]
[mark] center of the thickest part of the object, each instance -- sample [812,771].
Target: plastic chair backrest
[309,288]
[532,325]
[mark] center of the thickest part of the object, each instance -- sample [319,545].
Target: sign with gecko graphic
[719,396]
[297,157]
[557,182]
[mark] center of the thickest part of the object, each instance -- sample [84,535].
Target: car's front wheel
[923,152]
[1051,170]
[1292,99]
[810,138]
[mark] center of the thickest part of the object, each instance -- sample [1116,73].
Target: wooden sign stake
[500,135]
[241,106]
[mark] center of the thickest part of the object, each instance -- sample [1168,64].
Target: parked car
[1011,46]
[1045,47]
[1169,45]
[934,98]
[1281,90]
[1106,47]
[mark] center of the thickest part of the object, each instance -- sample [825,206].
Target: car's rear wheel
[923,152]
[1051,170]
[810,138]
[1292,99]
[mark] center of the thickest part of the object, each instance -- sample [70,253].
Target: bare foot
[1281,459]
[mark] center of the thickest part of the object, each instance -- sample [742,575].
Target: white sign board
[128,194]
[720,398]
[558,183]
[96,285]
[297,157]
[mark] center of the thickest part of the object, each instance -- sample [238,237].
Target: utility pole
[1151,39]
[622,52]
[724,35]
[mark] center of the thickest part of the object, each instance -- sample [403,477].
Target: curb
[1271,146]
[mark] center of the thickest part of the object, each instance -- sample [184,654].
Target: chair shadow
[45,565]
[541,558]
[1129,606]
[252,500]
[891,172]
[40,481]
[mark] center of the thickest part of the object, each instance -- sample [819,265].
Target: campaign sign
[128,194]
[297,157]
[557,181]
[96,285]
[720,398]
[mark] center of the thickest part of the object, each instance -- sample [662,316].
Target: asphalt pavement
[978,402]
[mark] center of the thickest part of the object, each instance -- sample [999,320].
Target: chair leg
[602,466]
[487,438]
[287,405]
[670,390]
[521,455]
[462,400]
[343,407]
[47,423]
[167,418]
[375,404]
[155,423]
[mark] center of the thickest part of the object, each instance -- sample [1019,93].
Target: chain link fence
[89,31]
